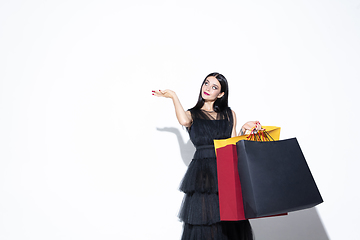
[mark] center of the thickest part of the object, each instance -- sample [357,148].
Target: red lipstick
[206,93]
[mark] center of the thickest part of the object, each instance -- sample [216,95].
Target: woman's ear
[221,94]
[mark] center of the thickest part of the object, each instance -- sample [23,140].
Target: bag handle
[259,135]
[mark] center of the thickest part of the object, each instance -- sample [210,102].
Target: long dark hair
[221,103]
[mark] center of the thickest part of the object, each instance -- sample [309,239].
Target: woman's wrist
[173,96]
[242,131]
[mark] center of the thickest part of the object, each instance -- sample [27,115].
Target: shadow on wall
[187,150]
[299,225]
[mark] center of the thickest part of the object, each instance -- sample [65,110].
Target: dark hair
[221,103]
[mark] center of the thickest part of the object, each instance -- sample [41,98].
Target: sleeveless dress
[200,208]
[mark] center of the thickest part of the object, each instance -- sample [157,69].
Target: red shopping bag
[230,196]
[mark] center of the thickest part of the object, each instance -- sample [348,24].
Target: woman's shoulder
[193,112]
[189,114]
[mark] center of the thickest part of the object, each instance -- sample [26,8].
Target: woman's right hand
[183,117]
[164,93]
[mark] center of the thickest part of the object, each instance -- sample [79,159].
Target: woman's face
[211,89]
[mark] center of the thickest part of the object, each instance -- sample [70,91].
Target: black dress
[200,207]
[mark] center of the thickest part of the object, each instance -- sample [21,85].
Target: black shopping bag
[275,178]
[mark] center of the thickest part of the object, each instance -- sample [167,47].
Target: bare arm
[184,117]
[233,133]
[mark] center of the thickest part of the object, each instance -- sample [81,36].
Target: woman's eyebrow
[214,84]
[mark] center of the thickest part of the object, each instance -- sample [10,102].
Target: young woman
[210,119]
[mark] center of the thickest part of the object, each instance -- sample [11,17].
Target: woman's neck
[208,106]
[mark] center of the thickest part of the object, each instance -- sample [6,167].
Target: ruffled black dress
[200,208]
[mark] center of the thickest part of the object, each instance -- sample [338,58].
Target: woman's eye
[214,88]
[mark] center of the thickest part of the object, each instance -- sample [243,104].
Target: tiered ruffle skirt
[200,208]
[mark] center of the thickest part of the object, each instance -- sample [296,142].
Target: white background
[81,156]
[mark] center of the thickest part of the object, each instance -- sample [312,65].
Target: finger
[156,93]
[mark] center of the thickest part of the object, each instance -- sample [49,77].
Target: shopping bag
[275,178]
[229,186]
[273,131]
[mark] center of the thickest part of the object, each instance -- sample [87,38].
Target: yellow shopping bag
[273,131]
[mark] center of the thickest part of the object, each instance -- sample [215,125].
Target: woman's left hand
[250,125]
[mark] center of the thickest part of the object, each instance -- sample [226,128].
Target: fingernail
[153,91]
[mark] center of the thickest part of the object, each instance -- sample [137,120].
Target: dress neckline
[207,110]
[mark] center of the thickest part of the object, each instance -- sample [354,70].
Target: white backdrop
[83,154]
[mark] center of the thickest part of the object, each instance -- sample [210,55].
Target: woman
[209,119]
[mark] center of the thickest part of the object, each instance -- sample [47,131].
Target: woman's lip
[206,93]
